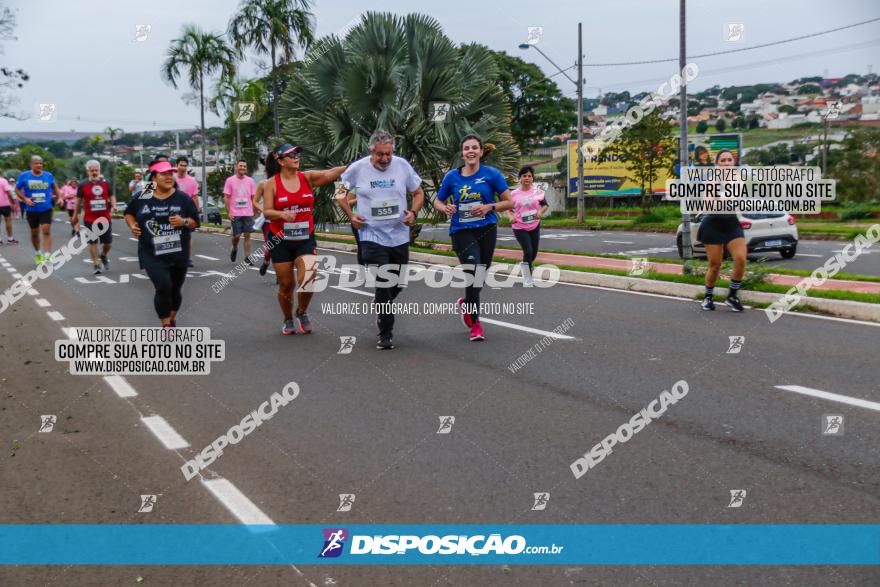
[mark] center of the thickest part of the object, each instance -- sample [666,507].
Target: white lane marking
[56,316]
[835,397]
[43,303]
[207,257]
[546,333]
[120,386]
[834,318]
[619,242]
[133,239]
[16,275]
[356,291]
[70,333]
[164,432]
[114,234]
[809,255]
[236,502]
[33,292]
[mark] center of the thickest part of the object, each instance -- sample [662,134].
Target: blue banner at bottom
[165,544]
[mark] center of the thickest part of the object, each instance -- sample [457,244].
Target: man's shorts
[242,224]
[104,239]
[5,210]
[35,219]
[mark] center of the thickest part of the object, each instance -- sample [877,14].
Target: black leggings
[357,241]
[168,281]
[528,240]
[475,246]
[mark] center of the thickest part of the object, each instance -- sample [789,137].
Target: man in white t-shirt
[381,183]
[238,194]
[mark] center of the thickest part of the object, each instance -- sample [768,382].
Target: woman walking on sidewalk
[467,196]
[529,207]
[288,204]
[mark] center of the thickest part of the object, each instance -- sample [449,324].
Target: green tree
[720,125]
[788,109]
[754,121]
[809,89]
[227,92]
[22,158]
[647,147]
[739,122]
[856,166]
[538,109]
[385,73]
[275,28]
[112,133]
[201,54]
[702,126]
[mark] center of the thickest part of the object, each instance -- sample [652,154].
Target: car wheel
[788,253]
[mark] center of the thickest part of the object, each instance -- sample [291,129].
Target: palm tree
[201,54]
[113,133]
[276,28]
[227,92]
[384,74]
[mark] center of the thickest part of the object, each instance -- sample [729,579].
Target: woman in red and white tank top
[288,204]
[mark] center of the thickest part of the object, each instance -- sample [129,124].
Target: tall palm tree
[384,74]
[112,133]
[227,92]
[200,54]
[275,28]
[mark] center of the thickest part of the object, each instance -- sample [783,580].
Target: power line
[675,59]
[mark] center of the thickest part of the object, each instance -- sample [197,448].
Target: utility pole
[686,246]
[580,150]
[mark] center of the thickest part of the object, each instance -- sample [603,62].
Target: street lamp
[580,91]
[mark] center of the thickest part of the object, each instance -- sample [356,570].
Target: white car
[771,231]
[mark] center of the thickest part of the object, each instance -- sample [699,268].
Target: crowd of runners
[381,194]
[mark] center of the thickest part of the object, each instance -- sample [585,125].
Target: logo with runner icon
[334,542]
[346,500]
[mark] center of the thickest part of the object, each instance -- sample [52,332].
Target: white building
[786,121]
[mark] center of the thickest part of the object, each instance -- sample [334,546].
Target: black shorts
[104,239]
[70,213]
[719,231]
[5,210]
[288,251]
[35,219]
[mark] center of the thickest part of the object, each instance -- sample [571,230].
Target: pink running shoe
[477,332]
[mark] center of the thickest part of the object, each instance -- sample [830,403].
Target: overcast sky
[82,56]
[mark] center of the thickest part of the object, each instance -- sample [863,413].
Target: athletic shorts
[288,251]
[35,219]
[719,231]
[242,224]
[104,239]
[70,213]
[5,210]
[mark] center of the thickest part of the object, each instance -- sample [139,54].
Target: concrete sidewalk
[625,265]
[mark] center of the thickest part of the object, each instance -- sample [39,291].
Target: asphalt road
[810,255]
[366,423]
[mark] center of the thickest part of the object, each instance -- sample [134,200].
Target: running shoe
[734,303]
[11,241]
[39,258]
[97,270]
[477,332]
[526,275]
[190,264]
[708,304]
[305,325]
[383,342]
[263,268]
[465,318]
[288,328]
[105,262]
[233,254]
[248,261]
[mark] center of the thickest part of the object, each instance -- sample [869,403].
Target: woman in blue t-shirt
[467,196]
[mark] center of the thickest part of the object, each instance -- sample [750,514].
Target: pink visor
[162,167]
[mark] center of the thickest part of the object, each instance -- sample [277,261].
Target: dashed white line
[16,275]
[56,316]
[835,397]
[236,502]
[619,242]
[164,432]
[207,257]
[33,292]
[42,302]
[546,333]
[70,333]
[809,255]
[133,239]
[120,386]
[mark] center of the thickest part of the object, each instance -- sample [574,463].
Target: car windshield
[763,215]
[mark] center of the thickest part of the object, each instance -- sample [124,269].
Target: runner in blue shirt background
[468,196]
[37,189]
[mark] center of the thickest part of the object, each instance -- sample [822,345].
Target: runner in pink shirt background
[6,203]
[238,194]
[188,185]
[68,194]
[528,208]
